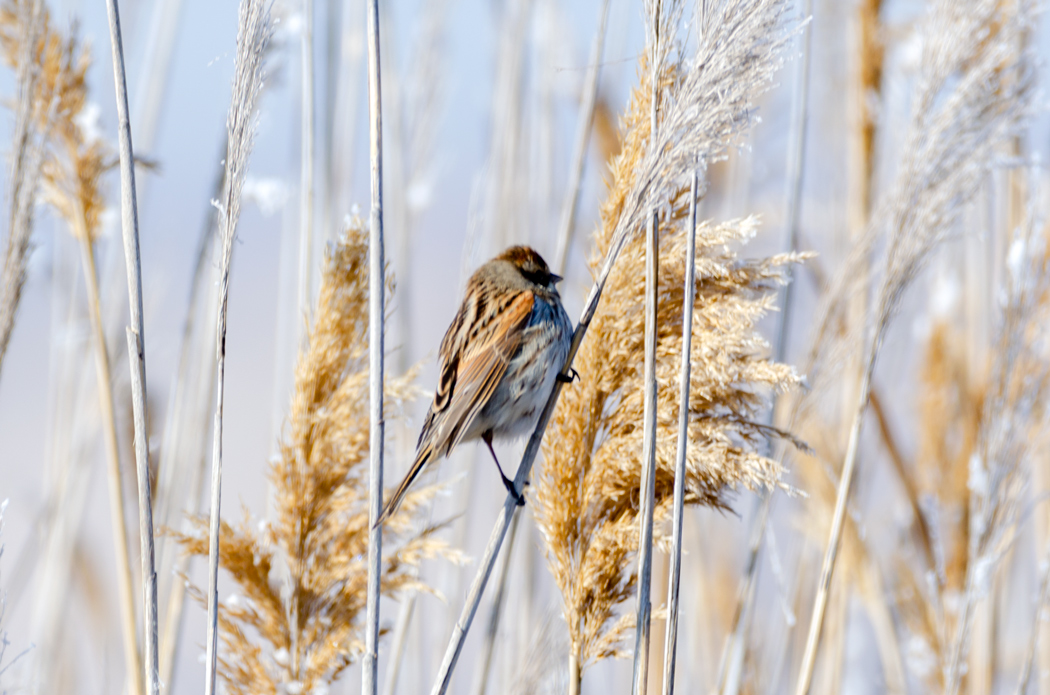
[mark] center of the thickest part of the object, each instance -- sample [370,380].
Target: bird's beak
[555,279]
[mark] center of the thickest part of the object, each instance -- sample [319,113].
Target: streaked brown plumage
[497,362]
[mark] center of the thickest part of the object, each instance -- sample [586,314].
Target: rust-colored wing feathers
[471,369]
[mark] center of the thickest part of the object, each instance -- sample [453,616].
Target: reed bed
[896,393]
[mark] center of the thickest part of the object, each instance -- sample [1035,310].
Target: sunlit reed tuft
[586,498]
[299,618]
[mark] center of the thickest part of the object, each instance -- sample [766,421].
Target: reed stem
[647,493]
[253,34]
[117,511]
[575,673]
[376,279]
[24,174]
[584,122]
[648,487]
[849,465]
[306,173]
[674,575]
[136,351]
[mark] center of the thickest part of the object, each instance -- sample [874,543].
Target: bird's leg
[572,376]
[507,482]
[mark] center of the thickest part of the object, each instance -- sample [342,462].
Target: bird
[497,363]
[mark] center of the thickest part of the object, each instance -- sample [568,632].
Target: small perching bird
[498,362]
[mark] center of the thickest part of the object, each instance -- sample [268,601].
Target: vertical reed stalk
[376,279]
[136,356]
[253,34]
[585,119]
[648,483]
[647,493]
[397,642]
[675,572]
[165,21]
[306,172]
[575,673]
[118,518]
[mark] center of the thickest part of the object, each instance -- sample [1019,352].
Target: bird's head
[531,266]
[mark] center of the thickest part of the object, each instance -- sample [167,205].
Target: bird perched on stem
[498,362]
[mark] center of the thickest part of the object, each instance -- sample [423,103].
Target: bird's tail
[423,456]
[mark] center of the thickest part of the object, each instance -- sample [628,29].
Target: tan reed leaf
[302,576]
[586,498]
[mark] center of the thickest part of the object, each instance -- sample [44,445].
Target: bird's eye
[537,276]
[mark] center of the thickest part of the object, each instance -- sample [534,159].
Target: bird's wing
[473,367]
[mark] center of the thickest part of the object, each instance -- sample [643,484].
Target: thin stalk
[155,69]
[24,177]
[306,172]
[397,643]
[671,642]
[499,531]
[376,279]
[253,33]
[730,669]
[849,465]
[575,673]
[648,482]
[648,489]
[1033,640]
[489,643]
[191,385]
[136,357]
[588,100]
[117,512]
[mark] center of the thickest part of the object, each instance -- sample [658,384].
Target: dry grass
[22,23]
[972,93]
[950,416]
[76,158]
[73,161]
[302,574]
[587,497]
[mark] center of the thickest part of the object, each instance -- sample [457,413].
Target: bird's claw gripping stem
[572,376]
[519,498]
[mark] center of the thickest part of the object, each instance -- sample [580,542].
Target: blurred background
[481,99]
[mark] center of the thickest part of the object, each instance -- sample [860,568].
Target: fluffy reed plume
[20,30]
[302,575]
[973,92]
[75,158]
[586,499]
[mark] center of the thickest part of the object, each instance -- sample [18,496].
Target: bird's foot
[519,498]
[572,376]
